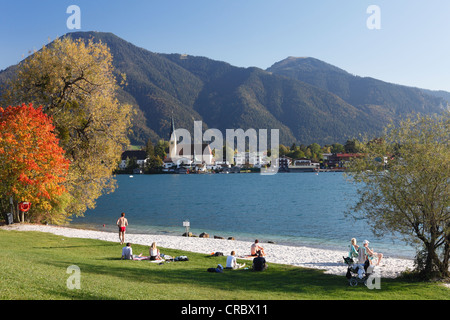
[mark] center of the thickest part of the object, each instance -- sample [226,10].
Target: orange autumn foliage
[32,164]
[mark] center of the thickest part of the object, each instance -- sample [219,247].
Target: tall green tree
[337,148]
[76,84]
[296,154]
[352,146]
[315,148]
[283,150]
[403,184]
[149,148]
[161,149]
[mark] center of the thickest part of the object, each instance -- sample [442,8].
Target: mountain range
[308,100]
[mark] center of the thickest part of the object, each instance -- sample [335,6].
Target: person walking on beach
[122,223]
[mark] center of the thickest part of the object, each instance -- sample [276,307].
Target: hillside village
[242,162]
[200,158]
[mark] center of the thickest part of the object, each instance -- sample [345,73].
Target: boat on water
[301,165]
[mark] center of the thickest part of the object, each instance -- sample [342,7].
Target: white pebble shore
[329,260]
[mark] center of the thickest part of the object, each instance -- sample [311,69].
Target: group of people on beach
[154,254]
[259,262]
[364,253]
[256,250]
[127,251]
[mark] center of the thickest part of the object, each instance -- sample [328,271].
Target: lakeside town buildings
[199,158]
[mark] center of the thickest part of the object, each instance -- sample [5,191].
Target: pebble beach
[330,261]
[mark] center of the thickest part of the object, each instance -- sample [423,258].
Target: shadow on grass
[75,246]
[282,280]
[76,295]
[103,273]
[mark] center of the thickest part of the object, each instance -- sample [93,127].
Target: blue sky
[411,48]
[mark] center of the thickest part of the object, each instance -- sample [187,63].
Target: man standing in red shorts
[122,223]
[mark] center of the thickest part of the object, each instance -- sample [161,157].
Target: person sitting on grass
[259,263]
[232,263]
[127,252]
[154,252]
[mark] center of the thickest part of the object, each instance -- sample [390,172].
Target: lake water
[286,208]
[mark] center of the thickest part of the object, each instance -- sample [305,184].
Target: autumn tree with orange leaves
[75,82]
[32,164]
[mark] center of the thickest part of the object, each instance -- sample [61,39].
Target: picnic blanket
[135,257]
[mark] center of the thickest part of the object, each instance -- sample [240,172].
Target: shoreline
[316,258]
[311,243]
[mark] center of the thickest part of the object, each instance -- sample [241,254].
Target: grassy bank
[33,266]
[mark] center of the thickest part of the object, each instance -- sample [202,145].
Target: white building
[257,159]
[138,155]
[195,156]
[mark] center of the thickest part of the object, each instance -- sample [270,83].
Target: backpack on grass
[219,269]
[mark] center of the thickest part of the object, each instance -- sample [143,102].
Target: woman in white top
[154,252]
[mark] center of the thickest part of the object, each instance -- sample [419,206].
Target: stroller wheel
[353,282]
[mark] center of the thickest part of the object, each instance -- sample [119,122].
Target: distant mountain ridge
[365,93]
[306,99]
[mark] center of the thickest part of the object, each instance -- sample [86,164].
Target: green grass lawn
[34,266]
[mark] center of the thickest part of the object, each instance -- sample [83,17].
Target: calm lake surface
[286,208]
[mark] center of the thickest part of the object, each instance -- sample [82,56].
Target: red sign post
[24,206]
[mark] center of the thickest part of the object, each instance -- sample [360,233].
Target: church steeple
[172,141]
[172,128]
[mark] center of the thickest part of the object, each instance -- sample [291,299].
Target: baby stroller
[357,272]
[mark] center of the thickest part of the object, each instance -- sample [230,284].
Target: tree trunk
[435,267]
[444,268]
[428,270]
[15,212]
